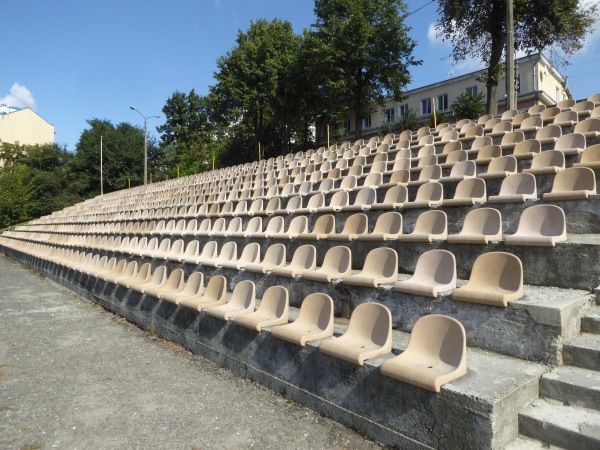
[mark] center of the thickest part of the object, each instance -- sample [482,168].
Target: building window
[472,90]
[367,122]
[442,102]
[402,111]
[389,115]
[425,106]
[347,127]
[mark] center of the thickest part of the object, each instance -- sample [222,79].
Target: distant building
[24,126]
[539,83]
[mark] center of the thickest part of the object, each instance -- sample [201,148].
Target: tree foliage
[468,105]
[477,28]
[365,53]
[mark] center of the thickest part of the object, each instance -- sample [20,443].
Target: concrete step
[565,426]
[583,351]
[525,443]
[572,385]
[590,323]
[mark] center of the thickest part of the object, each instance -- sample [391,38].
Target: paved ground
[73,376]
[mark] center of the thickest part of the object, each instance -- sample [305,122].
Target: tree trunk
[492,93]
[357,124]
[496,50]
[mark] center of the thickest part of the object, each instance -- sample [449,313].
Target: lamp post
[145,142]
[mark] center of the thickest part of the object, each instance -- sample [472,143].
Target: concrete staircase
[568,413]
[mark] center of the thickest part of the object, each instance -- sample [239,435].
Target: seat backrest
[431,222]
[489,151]
[480,142]
[482,221]
[430,192]
[570,141]
[340,199]
[433,172]
[457,156]
[317,309]
[275,225]
[528,146]
[575,179]
[216,288]
[512,137]
[591,154]
[275,255]
[337,260]
[463,169]
[366,196]
[396,194]
[370,322]
[275,301]
[548,158]
[426,161]
[244,295]
[437,266]
[356,224]
[506,163]
[294,203]
[536,109]
[502,127]
[299,225]
[235,225]
[304,257]
[254,225]
[426,151]
[439,336]
[175,280]
[209,251]
[388,223]
[250,253]
[545,220]
[549,131]
[518,183]
[451,147]
[381,261]
[498,269]
[219,225]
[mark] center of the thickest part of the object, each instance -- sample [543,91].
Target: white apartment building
[539,83]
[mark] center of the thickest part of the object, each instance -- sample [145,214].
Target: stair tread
[585,340]
[586,378]
[525,443]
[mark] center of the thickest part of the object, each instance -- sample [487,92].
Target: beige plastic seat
[517,188]
[536,110]
[380,266]
[338,200]
[436,354]
[429,226]
[428,195]
[454,158]
[369,335]
[547,162]
[496,279]
[243,300]
[274,257]
[297,226]
[273,310]
[427,150]
[435,272]
[203,228]
[430,160]
[314,322]
[365,198]
[566,119]
[234,227]
[427,174]
[395,197]
[540,226]
[590,158]
[549,114]
[122,269]
[253,227]
[294,203]
[218,227]
[209,251]
[354,226]
[575,183]
[480,226]
[314,203]
[566,105]
[500,167]
[228,253]
[487,153]
[214,295]
[548,134]
[274,225]
[250,255]
[157,279]
[174,284]
[510,140]
[399,177]
[304,260]
[194,286]
[583,108]
[472,133]
[533,123]
[337,263]
[500,129]
[460,171]
[571,144]
[142,276]
[387,227]
[106,269]
[323,227]
[519,118]
[527,149]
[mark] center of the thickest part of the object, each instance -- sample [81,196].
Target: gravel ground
[73,376]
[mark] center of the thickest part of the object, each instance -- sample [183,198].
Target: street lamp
[145,142]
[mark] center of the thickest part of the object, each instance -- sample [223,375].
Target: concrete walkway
[73,376]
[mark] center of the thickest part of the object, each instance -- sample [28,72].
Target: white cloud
[433,39]
[19,97]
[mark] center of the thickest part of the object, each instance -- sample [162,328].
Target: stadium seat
[142,276]
[304,260]
[337,263]
[590,158]
[500,167]
[496,279]
[571,144]
[380,266]
[527,149]
[429,226]
[228,253]
[157,279]
[250,255]
[428,194]
[487,153]
[194,286]
[480,226]
[395,197]
[338,200]
[273,310]
[214,295]
[174,284]
[243,300]
[460,171]
[436,354]
[546,162]
[435,272]
[575,183]
[387,227]
[314,322]
[516,188]
[369,335]
[354,226]
[540,226]
[274,257]
[297,226]
[363,200]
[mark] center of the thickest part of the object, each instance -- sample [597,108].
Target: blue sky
[74,60]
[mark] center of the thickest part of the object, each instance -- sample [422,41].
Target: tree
[123,157]
[477,28]
[468,105]
[256,92]
[365,54]
[187,132]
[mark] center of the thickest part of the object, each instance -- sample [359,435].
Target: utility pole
[101,172]
[510,58]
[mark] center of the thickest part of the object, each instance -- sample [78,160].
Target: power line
[419,9]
